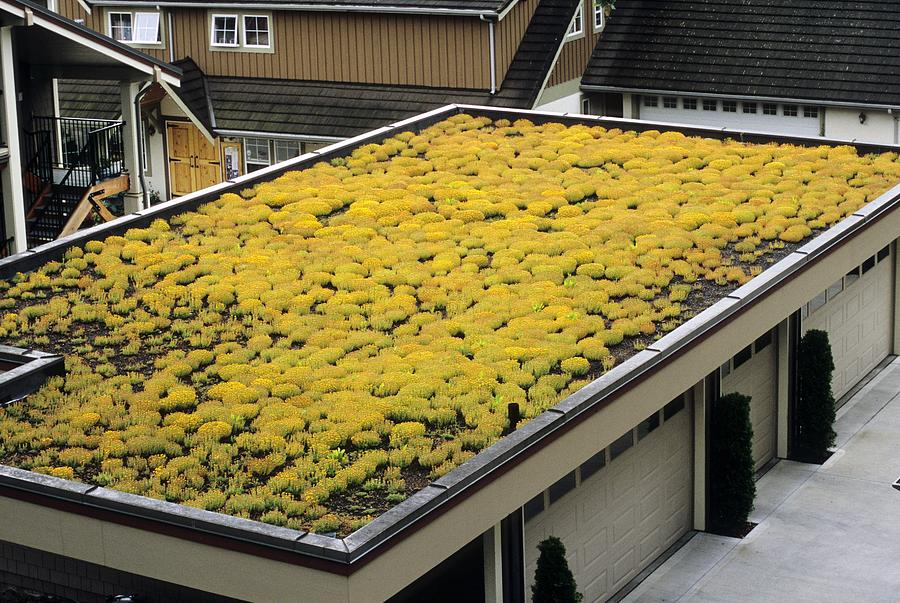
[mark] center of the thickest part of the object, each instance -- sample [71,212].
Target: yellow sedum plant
[315,349]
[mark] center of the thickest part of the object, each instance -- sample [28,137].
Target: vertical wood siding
[575,54]
[350,47]
[509,34]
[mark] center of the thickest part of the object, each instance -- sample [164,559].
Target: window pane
[834,289]
[729,106]
[790,110]
[742,356]
[577,25]
[650,101]
[647,425]
[810,111]
[673,408]
[762,342]
[534,506]
[593,465]
[884,253]
[851,277]
[670,102]
[120,26]
[225,30]
[560,488]
[286,149]
[146,28]
[621,445]
[770,109]
[818,301]
[689,103]
[868,264]
[709,105]
[599,16]
[256,30]
[749,107]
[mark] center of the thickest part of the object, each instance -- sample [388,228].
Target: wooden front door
[193,161]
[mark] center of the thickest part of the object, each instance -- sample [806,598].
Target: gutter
[342,8]
[257,134]
[344,556]
[777,99]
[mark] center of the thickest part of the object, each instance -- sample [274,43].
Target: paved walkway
[825,533]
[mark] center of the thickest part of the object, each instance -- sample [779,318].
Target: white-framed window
[256,31]
[650,101]
[770,109]
[689,103]
[585,105]
[729,106]
[709,104]
[670,102]
[599,16]
[287,149]
[577,27]
[257,154]
[224,31]
[134,28]
[789,110]
[749,107]
[810,111]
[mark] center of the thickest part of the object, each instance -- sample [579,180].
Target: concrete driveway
[825,533]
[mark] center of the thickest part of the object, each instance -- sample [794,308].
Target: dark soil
[738,531]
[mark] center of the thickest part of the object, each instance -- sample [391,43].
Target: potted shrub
[732,484]
[815,402]
[553,580]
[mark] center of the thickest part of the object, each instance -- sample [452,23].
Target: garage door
[856,313]
[754,372]
[779,118]
[622,516]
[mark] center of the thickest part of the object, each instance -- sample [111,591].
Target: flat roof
[262,334]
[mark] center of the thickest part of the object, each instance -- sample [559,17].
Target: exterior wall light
[862,118]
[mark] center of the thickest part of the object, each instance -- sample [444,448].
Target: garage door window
[789,110]
[593,465]
[884,253]
[673,408]
[709,105]
[562,487]
[650,101]
[742,357]
[621,445]
[729,106]
[647,425]
[670,102]
[868,264]
[533,507]
[761,343]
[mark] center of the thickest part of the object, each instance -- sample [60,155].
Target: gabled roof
[841,52]
[472,8]
[62,48]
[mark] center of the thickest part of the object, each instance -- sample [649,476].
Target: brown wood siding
[345,47]
[96,20]
[509,32]
[573,58]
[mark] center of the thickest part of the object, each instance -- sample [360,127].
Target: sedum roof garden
[314,350]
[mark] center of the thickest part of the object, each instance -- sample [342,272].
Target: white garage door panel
[758,378]
[620,519]
[857,322]
[779,124]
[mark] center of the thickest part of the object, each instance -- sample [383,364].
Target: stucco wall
[880,126]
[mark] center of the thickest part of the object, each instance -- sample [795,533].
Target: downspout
[492,51]
[896,117]
[171,37]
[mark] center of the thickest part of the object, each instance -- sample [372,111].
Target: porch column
[700,395]
[784,384]
[493,566]
[131,132]
[13,189]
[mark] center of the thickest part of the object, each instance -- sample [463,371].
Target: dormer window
[577,27]
[250,31]
[134,27]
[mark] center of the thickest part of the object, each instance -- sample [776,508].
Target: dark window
[818,301]
[650,101]
[670,102]
[621,445]
[647,425]
[868,264]
[884,253]
[586,106]
[729,106]
[561,487]
[593,465]
[851,277]
[743,356]
[709,105]
[762,342]
[689,103]
[810,111]
[725,369]
[835,289]
[770,109]
[789,110]
[749,107]
[534,506]
[673,408]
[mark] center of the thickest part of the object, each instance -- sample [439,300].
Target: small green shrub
[732,486]
[815,402]
[553,580]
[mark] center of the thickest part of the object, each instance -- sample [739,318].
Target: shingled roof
[844,52]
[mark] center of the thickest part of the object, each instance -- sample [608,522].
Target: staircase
[73,165]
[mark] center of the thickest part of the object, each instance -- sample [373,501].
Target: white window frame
[133,17]
[268,30]
[576,30]
[260,164]
[212,30]
[599,12]
[282,142]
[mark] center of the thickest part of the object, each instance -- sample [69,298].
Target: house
[57,171]
[617,469]
[795,68]
[271,81]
